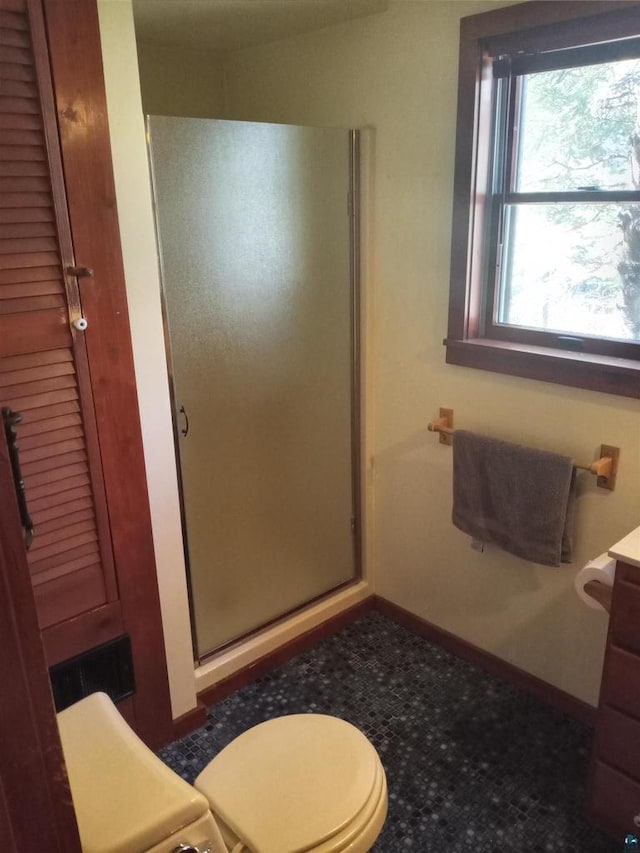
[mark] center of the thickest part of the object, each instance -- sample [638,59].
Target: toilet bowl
[306,783]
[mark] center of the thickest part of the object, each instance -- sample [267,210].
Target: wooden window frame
[471,340]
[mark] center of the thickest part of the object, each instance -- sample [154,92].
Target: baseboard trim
[495,666]
[226,686]
[190,721]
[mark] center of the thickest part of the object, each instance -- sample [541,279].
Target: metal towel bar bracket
[605,468]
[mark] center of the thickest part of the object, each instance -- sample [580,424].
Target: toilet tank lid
[125,798]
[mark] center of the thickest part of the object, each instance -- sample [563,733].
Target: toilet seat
[305,783]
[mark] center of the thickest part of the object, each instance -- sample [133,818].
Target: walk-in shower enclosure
[256,229]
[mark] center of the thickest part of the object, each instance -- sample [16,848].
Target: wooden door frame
[76,64]
[36,811]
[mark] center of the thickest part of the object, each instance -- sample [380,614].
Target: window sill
[597,373]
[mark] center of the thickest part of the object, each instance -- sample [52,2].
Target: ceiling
[224,25]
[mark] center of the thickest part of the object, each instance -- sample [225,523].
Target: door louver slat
[81,529]
[55,491]
[50,424]
[71,567]
[19,55]
[42,504]
[31,288]
[31,374]
[53,475]
[13,20]
[49,450]
[11,71]
[42,303]
[55,464]
[22,152]
[55,383]
[47,527]
[21,230]
[13,36]
[19,122]
[45,515]
[18,88]
[30,275]
[55,561]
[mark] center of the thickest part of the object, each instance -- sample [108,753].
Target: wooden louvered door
[44,372]
[91,563]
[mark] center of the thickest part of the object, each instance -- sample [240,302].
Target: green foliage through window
[567,211]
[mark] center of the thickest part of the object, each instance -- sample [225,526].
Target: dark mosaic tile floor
[472,764]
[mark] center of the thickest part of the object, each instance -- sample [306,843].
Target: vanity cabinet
[614,791]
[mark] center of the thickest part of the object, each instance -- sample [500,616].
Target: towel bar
[605,468]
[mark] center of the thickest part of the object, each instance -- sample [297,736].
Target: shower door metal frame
[353,212]
[356,361]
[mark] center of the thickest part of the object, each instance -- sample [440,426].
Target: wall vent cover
[107,668]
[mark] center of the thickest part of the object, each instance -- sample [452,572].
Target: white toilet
[306,783]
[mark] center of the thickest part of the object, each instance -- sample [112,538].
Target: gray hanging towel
[518,497]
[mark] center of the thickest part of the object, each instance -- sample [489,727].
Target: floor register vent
[108,668]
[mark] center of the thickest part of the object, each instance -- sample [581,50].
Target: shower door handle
[11,420]
[185,428]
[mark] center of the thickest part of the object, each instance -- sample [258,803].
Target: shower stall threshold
[232,660]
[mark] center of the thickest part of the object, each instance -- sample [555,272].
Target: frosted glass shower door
[254,238]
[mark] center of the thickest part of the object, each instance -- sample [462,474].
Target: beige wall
[179,82]
[396,72]
[137,232]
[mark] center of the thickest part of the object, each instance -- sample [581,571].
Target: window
[545,273]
